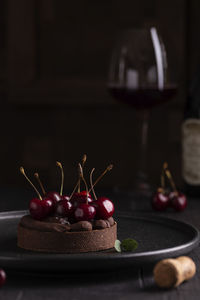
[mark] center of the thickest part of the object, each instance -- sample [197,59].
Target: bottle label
[191,151]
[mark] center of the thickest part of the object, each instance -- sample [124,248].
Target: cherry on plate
[160,200]
[2,277]
[178,201]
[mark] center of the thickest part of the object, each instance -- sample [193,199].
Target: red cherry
[178,201]
[84,212]
[2,277]
[64,208]
[104,207]
[36,209]
[171,196]
[79,198]
[39,209]
[48,205]
[65,197]
[54,196]
[81,194]
[160,200]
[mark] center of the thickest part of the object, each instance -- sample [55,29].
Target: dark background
[54,59]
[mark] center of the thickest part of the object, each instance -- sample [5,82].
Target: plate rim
[114,256]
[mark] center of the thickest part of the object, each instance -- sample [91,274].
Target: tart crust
[66,242]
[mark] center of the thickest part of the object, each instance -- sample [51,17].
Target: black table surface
[122,284]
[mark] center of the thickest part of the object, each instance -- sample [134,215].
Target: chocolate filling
[59,224]
[29,222]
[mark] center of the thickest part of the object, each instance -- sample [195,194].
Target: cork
[170,272]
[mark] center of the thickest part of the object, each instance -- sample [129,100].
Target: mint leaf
[129,245]
[118,246]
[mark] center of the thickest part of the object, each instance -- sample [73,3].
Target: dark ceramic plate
[158,238]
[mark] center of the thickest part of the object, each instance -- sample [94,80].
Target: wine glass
[139,76]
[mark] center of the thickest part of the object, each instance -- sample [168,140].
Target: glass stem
[142,169]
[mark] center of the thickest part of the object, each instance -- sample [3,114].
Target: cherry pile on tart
[70,216]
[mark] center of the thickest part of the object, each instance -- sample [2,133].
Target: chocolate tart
[57,237]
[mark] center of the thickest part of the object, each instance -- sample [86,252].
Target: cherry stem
[92,187]
[23,173]
[169,175]
[84,158]
[109,168]
[82,177]
[80,171]
[162,179]
[74,190]
[40,183]
[62,176]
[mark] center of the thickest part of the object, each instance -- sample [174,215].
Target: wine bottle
[191,139]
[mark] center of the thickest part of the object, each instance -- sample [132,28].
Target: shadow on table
[135,276]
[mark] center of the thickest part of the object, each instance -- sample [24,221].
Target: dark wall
[54,59]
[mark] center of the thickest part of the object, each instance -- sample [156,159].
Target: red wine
[143,98]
